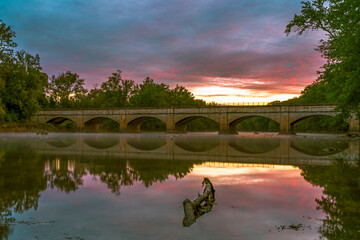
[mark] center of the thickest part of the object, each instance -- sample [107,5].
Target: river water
[132,186]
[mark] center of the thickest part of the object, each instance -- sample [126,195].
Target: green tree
[6,45]
[6,40]
[181,97]
[2,106]
[93,98]
[340,20]
[21,80]
[315,93]
[151,94]
[24,84]
[116,91]
[66,90]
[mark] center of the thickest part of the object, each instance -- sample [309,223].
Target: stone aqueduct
[130,119]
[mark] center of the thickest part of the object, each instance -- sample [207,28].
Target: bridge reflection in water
[235,149]
[65,162]
[121,160]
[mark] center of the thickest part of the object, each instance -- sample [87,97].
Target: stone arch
[61,119]
[135,124]
[307,116]
[93,124]
[100,117]
[180,125]
[233,124]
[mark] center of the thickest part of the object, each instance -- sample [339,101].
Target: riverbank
[44,128]
[28,127]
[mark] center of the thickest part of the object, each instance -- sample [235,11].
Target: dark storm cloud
[193,43]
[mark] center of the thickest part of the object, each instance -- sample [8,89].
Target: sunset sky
[224,51]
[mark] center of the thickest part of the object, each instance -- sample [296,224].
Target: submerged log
[202,204]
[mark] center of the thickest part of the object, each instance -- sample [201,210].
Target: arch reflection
[254,145]
[62,142]
[319,147]
[146,143]
[102,142]
[197,144]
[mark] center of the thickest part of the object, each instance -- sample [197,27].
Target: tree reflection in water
[149,172]
[116,173]
[24,174]
[21,181]
[341,198]
[113,172]
[62,178]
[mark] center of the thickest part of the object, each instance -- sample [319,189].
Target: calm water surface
[109,186]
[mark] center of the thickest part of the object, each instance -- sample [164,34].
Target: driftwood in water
[202,204]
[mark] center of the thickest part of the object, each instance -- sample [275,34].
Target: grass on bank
[33,127]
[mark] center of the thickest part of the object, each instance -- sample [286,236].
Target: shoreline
[14,127]
[43,133]
[48,128]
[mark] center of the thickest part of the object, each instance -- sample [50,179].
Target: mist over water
[131,186]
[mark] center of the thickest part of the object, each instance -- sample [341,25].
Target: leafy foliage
[6,39]
[66,90]
[150,94]
[340,200]
[339,82]
[21,80]
[113,93]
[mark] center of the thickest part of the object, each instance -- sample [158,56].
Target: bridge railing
[212,104]
[243,104]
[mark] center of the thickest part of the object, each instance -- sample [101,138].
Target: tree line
[67,91]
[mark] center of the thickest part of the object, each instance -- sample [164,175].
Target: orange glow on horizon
[236,95]
[230,173]
[219,169]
